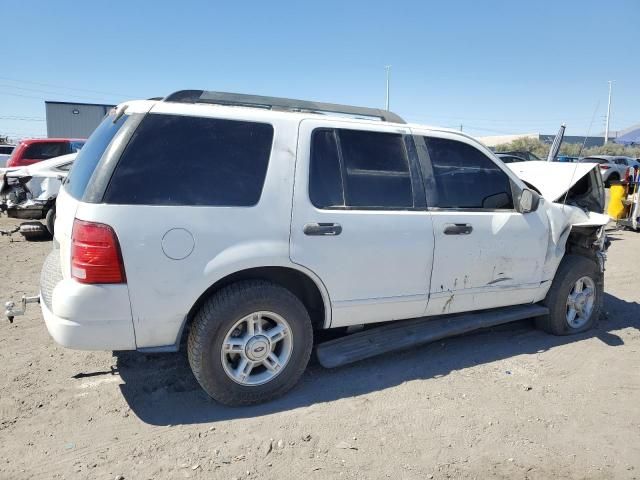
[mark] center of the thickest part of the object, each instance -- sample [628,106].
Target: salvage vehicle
[34,150]
[30,193]
[242,225]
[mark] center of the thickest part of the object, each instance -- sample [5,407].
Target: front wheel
[575,297]
[250,343]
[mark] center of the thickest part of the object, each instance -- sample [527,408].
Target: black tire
[50,219]
[218,315]
[571,268]
[33,231]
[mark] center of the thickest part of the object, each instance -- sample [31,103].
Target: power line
[22,119]
[49,92]
[67,88]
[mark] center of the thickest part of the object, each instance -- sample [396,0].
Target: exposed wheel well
[295,281]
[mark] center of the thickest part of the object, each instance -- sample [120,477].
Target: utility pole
[386,103]
[606,130]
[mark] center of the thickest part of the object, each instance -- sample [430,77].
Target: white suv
[245,224]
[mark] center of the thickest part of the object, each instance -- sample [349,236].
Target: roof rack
[277,103]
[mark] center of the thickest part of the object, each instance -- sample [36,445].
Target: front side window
[359,169]
[466,178]
[181,160]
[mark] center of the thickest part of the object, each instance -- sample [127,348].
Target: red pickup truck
[34,150]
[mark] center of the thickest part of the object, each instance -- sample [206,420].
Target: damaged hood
[551,179]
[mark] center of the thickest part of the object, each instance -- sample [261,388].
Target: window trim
[417,188]
[430,187]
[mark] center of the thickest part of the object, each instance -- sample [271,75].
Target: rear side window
[90,154]
[45,150]
[359,169]
[180,160]
[466,178]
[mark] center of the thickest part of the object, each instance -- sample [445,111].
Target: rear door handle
[458,229]
[328,229]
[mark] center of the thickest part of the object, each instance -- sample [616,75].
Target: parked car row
[31,179]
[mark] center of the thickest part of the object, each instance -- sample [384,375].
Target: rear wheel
[250,343]
[575,297]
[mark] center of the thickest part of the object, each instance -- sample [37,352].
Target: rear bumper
[85,317]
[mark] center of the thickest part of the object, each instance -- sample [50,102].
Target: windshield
[91,153]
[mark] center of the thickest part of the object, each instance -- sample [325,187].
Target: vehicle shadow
[161,390]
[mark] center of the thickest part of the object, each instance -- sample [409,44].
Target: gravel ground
[510,402]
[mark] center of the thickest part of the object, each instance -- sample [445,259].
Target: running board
[399,335]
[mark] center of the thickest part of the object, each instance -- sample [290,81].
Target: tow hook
[11,311]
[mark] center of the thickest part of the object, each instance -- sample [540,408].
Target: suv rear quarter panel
[162,290]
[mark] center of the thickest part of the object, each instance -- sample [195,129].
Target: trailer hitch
[11,311]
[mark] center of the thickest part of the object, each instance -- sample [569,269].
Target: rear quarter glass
[90,154]
[195,161]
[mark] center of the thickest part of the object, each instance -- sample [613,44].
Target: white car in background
[612,167]
[5,153]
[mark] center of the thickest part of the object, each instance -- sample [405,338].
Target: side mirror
[529,201]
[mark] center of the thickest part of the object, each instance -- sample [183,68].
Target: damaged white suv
[245,224]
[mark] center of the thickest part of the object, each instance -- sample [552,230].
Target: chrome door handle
[327,229]
[458,229]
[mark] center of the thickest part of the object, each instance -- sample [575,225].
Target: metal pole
[606,130]
[386,103]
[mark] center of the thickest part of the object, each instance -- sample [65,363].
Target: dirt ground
[510,402]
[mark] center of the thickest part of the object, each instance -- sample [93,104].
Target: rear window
[593,160]
[45,150]
[359,169]
[181,160]
[6,150]
[90,154]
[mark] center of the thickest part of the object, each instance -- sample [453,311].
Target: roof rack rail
[277,103]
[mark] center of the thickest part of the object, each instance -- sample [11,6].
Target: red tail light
[605,167]
[95,254]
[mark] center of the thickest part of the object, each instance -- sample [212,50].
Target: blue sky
[493,66]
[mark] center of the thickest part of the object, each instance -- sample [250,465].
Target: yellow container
[616,195]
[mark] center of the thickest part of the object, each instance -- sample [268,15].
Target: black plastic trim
[278,103]
[99,181]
